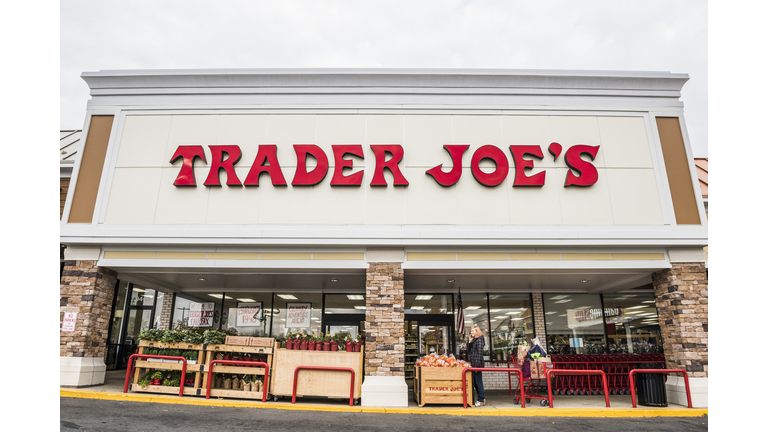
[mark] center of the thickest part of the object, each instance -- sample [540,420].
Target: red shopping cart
[532,385]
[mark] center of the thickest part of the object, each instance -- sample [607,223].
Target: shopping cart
[532,385]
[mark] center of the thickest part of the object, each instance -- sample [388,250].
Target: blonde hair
[478,329]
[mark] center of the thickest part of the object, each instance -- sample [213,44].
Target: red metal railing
[664,371]
[577,372]
[325,368]
[146,356]
[234,363]
[474,369]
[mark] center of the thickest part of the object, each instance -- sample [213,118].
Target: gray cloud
[648,35]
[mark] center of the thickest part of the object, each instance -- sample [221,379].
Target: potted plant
[143,383]
[311,342]
[327,342]
[319,342]
[350,345]
[359,342]
[247,383]
[289,341]
[304,341]
[335,342]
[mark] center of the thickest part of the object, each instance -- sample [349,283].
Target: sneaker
[479,404]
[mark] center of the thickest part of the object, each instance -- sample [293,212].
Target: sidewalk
[498,403]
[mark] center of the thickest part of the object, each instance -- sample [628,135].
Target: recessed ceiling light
[450,281]
[472,307]
[201,279]
[550,313]
[636,307]
[417,307]
[423,297]
[218,296]
[518,313]
[138,289]
[287,297]
[649,301]
[563,315]
[495,310]
[559,297]
[516,319]
[563,301]
[501,317]
[247,300]
[334,280]
[584,280]
[355,297]
[360,307]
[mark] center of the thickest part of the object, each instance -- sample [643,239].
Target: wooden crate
[239,370]
[438,385]
[333,384]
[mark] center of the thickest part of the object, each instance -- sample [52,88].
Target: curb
[515,412]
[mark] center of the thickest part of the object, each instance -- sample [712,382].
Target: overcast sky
[648,35]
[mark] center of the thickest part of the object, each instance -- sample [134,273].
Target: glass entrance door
[138,319]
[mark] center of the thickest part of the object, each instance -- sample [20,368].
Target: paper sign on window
[299,315]
[201,314]
[249,314]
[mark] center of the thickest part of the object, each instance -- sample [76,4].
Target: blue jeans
[477,385]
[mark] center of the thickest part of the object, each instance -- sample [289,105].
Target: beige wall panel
[285,256]
[478,204]
[431,256]
[638,256]
[536,205]
[144,141]
[384,205]
[587,257]
[535,257]
[133,195]
[424,138]
[244,130]
[384,129]
[181,255]
[428,203]
[338,256]
[572,130]
[192,130]
[634,197]
[338,205]
[585,205]
[129,255]
[234,204]
[477,256]
[182,205]
[285,131]
[341,130]
[232,256]
[528,130]
[624,142]
[285,205]
[477,131]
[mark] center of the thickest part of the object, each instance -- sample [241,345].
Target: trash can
[651,389]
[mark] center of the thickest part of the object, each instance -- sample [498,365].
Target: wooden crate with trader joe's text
[441,385]
[334,384]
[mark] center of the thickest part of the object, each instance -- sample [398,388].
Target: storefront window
[158,309]
[511,323]
[428,304]
[336,304]
[475,313]
[195,310]
[632,323]
[248,313]
[297,312]
[117,316]
[142,297]
[574,323]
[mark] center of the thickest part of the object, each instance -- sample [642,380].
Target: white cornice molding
[389,86]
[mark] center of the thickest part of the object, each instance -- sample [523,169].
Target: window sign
[250,314]
[70,318]
[201,314]
[299,315]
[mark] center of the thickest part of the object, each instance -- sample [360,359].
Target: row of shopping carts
[615,366]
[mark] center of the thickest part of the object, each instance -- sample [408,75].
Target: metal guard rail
[664,371]
[519,373]
[577,372]
[324,368]
[146,356]
[235,363]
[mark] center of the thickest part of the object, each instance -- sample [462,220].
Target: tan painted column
[87,290]
[539,322]
[384,320]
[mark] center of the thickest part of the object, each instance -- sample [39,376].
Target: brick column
[539,321]
[166,312]
[384,320]
[87,290]
[682,302]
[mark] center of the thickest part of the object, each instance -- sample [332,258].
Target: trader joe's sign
[299,315]
[224,157]
[201,314]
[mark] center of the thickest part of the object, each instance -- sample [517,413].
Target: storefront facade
[561,205]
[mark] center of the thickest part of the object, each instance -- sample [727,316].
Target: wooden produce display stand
[202,367]
[440,385]
[332,384]
[157,364]
[266,347]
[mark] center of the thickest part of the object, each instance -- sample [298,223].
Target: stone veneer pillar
[682,303]
[384,365]
[89,291]
[539,322]
[166,311]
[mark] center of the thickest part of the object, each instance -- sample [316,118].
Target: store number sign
[225,157]
[201,314]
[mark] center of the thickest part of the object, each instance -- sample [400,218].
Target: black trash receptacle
[651,389]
